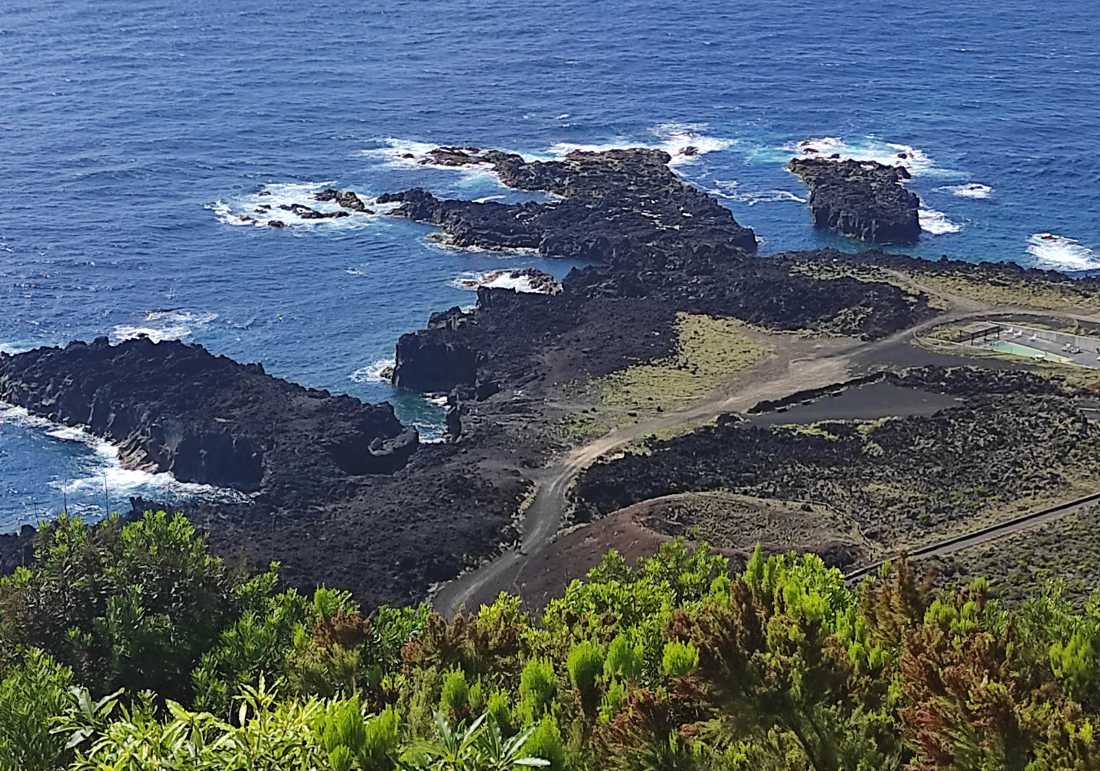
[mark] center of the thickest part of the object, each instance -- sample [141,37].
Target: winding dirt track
[544,515]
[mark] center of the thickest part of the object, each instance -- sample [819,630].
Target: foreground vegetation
[130,647]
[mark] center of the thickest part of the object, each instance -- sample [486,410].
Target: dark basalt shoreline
[613,205]
[860,199]
[662,246]
[340,492]
[205,418]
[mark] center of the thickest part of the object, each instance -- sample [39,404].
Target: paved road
[544,516]
[986,534]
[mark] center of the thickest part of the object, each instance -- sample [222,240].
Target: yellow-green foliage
[672,662]
[709,351]
[1064,294]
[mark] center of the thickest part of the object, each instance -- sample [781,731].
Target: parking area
[1034,343]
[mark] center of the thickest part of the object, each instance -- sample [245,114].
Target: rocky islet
[861,199]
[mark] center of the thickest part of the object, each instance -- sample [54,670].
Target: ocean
[133,136]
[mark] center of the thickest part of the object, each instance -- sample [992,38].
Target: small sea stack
[860,199]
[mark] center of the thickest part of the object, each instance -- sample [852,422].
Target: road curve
[543,517]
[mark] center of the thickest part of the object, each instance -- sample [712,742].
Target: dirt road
[543,517]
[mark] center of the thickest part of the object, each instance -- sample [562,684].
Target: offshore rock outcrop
[612,206]
[660,245]
[345,198]
[177,408]
[861,199]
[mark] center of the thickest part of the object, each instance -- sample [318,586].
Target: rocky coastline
[659,246]
[204,418]
[341,493]
[338,491]
[860,199]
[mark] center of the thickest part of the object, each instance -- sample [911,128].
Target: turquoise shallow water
[133,131]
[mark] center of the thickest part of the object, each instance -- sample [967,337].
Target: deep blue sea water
[132,132]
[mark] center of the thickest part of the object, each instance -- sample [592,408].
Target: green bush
[537,688]
[679,659]
[132,605]
[624,658]
[31,693]
[454,696]
[585,665]
[545,742]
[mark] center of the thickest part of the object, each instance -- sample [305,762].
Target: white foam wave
[915,161]
[105,470]
[497,279]
[411,154]
[11,347]
[1056,252]
[263,207]
[443,242]
[969,190]
[684,142]
[373,372]
[172,324]
[936,222]
[357,272]
[677,138]
[730,190]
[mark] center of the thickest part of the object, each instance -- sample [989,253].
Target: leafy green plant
[544,741]
[132,605]
[585,665]
[537,688]
[454,696]
[480,746]
[31,693]
[624,658]
[679,659]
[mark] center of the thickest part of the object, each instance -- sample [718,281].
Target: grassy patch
[709,351]
[978,283]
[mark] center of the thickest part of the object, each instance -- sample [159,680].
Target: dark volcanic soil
[1014,435]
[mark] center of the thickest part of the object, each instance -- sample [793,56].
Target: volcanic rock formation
[861,199]
[177,408]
